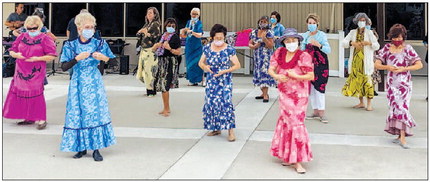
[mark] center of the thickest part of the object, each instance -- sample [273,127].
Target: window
[29,9]
[110,18]
[135,18]
[410,15]
[351,9]
[61,15]
[179,11]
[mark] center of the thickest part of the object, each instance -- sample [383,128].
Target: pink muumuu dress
[291,140]
[25,99]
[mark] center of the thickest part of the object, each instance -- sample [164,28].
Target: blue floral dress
[218,111]
[262,61]
[88,123]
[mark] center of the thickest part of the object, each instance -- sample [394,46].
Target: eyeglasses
[195,14]
[34,28]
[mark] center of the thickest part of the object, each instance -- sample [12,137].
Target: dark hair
[170,21]
[17,4]
[278,16]
[39,14]
[264,18]
[218,28]
[396,30]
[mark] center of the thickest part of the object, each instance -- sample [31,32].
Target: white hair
[84,11]
[84,17]
[196,10]
[33,20]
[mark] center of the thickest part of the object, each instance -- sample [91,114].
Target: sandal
[213,133]
[25,122]
[193,84]
[231,138]
[259,97]
[313,116]
[323,119]
[42,126]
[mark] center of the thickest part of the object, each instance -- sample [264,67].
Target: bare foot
[369,108]
[164,113]
[359,106]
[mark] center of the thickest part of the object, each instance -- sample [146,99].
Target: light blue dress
[218,110]
[88,122]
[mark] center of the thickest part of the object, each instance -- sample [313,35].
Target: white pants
[317,99]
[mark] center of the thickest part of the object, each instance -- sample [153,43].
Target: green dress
[358,84]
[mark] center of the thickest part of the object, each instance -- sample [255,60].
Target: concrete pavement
[352,146]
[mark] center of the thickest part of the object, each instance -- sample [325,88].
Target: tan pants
[147,64]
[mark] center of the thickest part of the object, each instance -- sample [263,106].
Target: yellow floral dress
[358,84]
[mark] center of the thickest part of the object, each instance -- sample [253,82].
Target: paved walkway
[352,146]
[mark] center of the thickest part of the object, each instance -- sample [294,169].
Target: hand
[256,45]
[99,56]
[220,73]
[157,45]
[81,56]
[366,43]
[315,43]
[292,74]
[17,55]
[392,68]
[33,59]
[189,31]
[400,69]
[356,45]
[167,46]
[207,68]
[281,78]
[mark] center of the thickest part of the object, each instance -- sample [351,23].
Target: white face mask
[291,47]
[361,24]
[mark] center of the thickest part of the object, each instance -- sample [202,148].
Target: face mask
[34,34]
[263,25]
[292,46]
[87,33]
[312,27]
[170,29]
[361,24]
[397,43]
[194,19]
[368,27]
[272,20]
[218,43]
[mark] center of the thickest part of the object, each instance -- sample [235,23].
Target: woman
[193,47]
[88,123]
[376,76]
[25,99]
[261,41]
[277,27]
[399,59]
[218,111]
[167,52]
[148,35]
[316,44]
[293,69]
[362,45]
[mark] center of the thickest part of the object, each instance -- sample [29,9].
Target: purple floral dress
[399,89]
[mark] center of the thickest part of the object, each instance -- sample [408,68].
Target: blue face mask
[368,27]
[170,29]
[272,20]
[194,19]
[34,34]
[87,33]
[312,27]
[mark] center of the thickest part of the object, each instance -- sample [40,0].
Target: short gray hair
[359,16]
[84,17]
[197,10]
